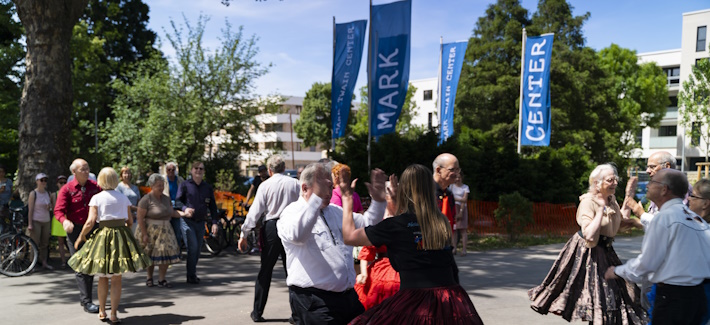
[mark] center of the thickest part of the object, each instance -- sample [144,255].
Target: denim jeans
[193,233]
[177,228]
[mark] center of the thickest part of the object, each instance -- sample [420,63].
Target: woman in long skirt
[575,287]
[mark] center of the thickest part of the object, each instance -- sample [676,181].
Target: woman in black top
[418,242]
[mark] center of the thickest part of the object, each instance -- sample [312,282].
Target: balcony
[663,142]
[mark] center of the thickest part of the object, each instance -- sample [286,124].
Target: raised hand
[376,187]
[631,186]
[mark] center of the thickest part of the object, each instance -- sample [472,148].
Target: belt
[112,223]
[603,241]
[317,291]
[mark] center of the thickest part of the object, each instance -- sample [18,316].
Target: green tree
[11,75]
[109,38]
[314,124]
[46,103]
[514,213]
[404,126]
[203,100]
[694,100]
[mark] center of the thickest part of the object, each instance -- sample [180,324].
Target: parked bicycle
[18,253]
[229,230]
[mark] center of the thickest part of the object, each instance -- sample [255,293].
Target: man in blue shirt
[198,203]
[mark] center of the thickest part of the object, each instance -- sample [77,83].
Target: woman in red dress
[377,280]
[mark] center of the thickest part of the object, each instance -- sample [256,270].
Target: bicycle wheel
[214,244]
[18,255]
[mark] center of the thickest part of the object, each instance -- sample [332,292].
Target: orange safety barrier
[224,200]
[550,219]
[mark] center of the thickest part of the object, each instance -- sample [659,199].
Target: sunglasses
[170,169]
[198,168]
[61,183]
[43,180]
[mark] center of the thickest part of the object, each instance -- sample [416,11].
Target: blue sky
[296,36]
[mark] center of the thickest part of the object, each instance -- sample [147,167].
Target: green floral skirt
[112,250]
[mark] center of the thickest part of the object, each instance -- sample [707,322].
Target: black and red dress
[429,291]
[382,280]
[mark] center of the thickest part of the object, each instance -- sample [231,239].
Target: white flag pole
[520,111]
[438,86]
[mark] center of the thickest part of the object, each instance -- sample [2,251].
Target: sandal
[149,283]
[165,284]
[117,321]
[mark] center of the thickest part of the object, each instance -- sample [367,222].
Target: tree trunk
[46,104]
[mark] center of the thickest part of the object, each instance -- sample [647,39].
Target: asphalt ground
[497,282]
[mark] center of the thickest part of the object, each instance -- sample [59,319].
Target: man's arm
[297,220]
[653,252]
[255,211]
[60,208]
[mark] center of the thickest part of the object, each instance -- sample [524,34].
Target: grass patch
[490,242]
[478,242]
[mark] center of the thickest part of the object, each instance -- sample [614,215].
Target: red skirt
[382,282]
[442,305]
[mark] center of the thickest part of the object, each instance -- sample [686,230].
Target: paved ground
[497,282]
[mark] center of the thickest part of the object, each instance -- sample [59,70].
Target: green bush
[514,213]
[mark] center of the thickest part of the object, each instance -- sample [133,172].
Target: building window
[298,109]
[278,145]
[428,95]
[702,36]
[274,127]
[674,101]
[667,131]
[639,137]
[673,75]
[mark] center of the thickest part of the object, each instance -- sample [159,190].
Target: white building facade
[677,64]
[277,136]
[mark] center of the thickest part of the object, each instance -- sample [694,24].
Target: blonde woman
[112,250]
[418,241]
[575,287]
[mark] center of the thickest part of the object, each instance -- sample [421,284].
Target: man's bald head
[659,160]
[446,169]
[676,181]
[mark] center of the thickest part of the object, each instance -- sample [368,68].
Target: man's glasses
[198,168]
[453,169]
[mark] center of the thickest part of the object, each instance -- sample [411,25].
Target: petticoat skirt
[423,306]
[110,251]
[575,287]
[162,247]
[382,282]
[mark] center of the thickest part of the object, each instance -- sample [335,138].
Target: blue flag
[452,55]
[349,41]
[535,124]
[389,64]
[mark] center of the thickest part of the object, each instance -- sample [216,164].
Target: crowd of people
[409,235]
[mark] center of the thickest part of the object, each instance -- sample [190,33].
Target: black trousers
[85,282]
[315,306]
[272,248]
[679,304]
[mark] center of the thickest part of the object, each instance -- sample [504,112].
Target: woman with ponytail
[418,241]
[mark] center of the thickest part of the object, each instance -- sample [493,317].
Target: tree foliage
[694,100]
[404,126]
[314,124]
[203,101]
[11,75]
[109,38]
[514,213]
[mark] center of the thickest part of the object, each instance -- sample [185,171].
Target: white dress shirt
[316,256]
[272,197]
[675,249]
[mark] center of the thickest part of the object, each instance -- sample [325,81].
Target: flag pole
[332,86]
[438,85]
[520,111]
[369,94]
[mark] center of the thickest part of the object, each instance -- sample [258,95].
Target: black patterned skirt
[575,287]
[425,306]
[112,250]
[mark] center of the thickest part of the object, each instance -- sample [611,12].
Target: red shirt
[73,202]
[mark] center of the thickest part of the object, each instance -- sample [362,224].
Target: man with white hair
[72,211]
[445,170]
[321,274]
[272,197]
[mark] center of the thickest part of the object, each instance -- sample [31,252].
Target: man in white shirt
[272,197]
[675,253]
[320,267]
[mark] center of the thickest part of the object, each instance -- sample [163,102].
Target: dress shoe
[291,320]
[91,308]
[257,319]
[193,280]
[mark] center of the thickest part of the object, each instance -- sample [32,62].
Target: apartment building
[278,137]
[677,64]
